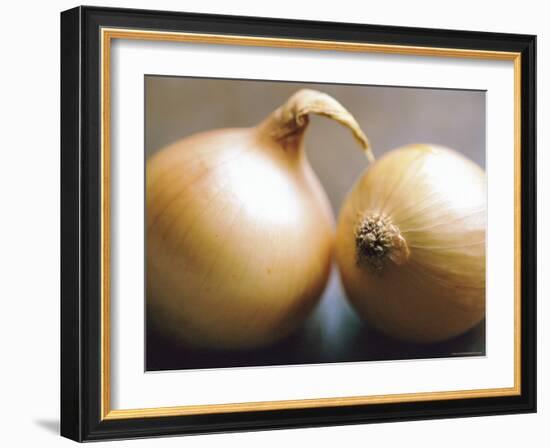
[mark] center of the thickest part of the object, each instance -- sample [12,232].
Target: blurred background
[176,107]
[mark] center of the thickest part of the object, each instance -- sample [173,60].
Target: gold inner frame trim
[107,35]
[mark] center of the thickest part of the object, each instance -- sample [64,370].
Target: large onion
[411,244]
[239,230]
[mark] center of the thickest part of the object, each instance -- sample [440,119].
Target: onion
[239,230]
[411,244]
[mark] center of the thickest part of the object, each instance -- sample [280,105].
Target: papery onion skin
[239,232]
[428,283]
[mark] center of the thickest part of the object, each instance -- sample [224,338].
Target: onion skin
[239,232]
[430,284]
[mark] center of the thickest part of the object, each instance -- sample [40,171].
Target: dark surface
[80,225]
[333,333]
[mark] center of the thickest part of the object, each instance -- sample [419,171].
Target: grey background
[176,107]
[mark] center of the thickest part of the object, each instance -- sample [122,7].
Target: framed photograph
[274,223]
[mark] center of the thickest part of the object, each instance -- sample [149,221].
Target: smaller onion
[411,244]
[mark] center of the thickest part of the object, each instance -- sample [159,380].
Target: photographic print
[252,208]
[300,223]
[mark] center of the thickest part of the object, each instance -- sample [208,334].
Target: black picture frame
[81,381]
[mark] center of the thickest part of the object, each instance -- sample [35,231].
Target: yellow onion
[239,230]
[411,244]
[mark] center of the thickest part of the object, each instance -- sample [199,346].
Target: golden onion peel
[411,244]
[239,230]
